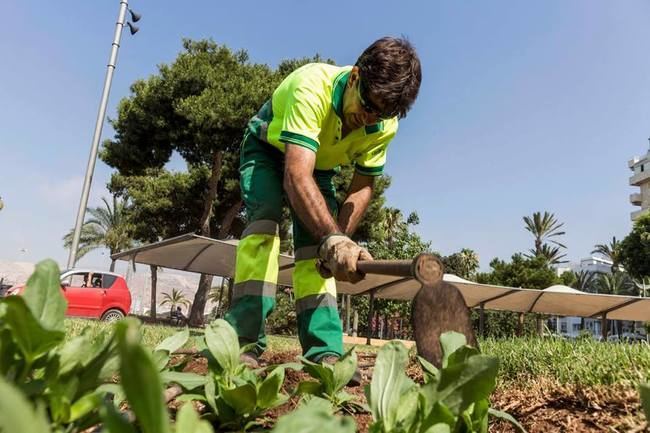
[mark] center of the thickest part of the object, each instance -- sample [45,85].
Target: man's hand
[339,256]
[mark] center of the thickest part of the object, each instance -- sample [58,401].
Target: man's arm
[356,203]
[305,197]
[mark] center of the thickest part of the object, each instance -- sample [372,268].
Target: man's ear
[354,76]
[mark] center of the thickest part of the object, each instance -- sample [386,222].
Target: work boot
[250,359]
[355,380]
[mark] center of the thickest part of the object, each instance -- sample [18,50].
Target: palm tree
[177,297]
[611,252]
[107,227]
[219,296]
[615,284]
[544,227]
[552,254]
[584,281]
[643,285]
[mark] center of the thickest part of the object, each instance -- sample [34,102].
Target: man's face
[359,109]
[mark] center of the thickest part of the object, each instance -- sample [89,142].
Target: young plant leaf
[187,381]
[140,379]
[17,413]
[324,373]
[269,392]
[174,342]
[84,405]
[507,417]
[344,369]
[389,383]
[314,417]
[43,295]
[450,342]
[431,372]
[223,343]
[462,384]
[242,398]
[31,337]
[187,421]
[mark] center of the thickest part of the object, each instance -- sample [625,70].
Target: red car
[96,294]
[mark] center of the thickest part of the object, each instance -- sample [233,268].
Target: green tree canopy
[611,252]
[106,227]
[544,228]
[635,249]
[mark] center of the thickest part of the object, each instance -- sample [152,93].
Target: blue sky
[524,106]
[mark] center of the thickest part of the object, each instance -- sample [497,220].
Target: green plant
[53,385]
[314,416]
[332,378]
[236,395]
[453,398]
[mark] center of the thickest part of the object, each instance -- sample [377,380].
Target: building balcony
[636,199]
[640,178]
[638,213]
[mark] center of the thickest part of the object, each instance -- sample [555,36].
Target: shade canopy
[194,253]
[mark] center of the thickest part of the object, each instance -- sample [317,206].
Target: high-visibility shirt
[306,110]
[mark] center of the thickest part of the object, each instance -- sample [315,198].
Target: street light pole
[83,203]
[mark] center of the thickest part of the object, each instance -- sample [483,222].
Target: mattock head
[437,309]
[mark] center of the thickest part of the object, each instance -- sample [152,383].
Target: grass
[581,362]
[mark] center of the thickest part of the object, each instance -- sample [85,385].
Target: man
[319,118]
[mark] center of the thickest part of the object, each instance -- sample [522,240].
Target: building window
[563,327]
[642,168]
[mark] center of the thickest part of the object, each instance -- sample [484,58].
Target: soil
[541,407]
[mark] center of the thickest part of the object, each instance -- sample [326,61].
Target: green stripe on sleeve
[369,171]
[300,140]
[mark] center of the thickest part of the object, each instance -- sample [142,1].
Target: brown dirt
[541,407]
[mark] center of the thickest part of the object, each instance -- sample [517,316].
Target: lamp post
[83,203]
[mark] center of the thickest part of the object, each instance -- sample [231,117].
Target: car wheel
[112,315]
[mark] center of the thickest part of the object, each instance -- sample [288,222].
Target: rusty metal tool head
[438,307]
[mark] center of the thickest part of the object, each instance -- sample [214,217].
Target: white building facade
[640,166]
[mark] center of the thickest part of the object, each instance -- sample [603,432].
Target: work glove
[338,258]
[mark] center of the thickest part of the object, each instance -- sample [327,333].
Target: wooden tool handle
[426,268]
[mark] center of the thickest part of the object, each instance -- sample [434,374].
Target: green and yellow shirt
[306,109]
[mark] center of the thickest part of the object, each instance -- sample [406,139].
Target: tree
[611,252]
[176,297]
[464,263]
[107,227]
[635,249]
[585,281]
[543,228]
[198,107]
[521,271]
[619,283]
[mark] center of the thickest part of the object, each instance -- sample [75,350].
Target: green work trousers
[256,274]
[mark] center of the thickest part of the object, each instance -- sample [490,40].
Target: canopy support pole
[481,321]
[603,326]
[371,311]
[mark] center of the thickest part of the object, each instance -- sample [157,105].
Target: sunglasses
[368,106]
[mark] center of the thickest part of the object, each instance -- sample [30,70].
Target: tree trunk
[154,287]
[112,268]
[228,219]
[205,282]
[220,302]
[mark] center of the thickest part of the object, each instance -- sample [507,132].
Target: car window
[96,281]
[78,280]
[108,280]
